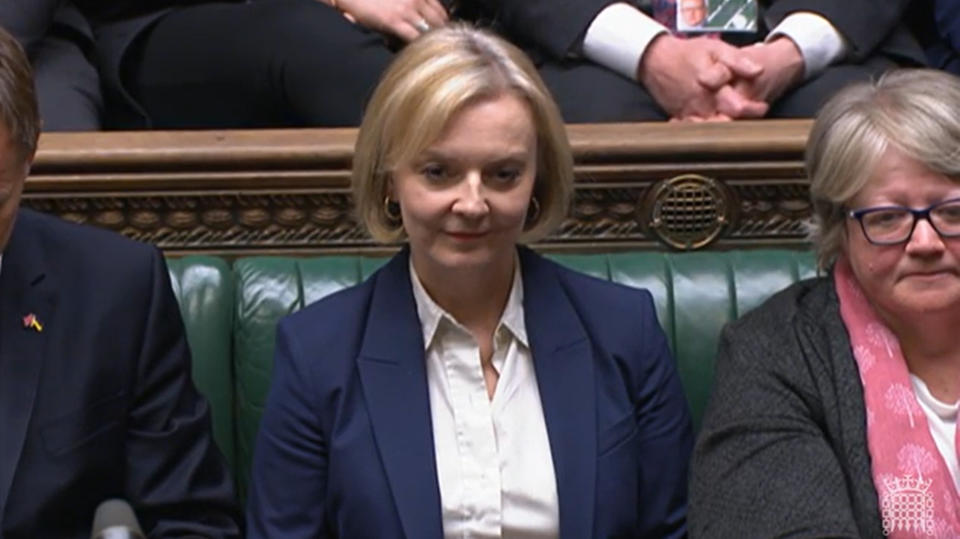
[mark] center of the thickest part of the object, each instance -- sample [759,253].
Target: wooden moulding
[639,186]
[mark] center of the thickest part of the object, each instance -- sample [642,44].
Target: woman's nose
[471,199]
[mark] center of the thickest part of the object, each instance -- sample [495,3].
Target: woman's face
[464,199]
[922,275]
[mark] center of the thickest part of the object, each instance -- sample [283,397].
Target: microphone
[114,519]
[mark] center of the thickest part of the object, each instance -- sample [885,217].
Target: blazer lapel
[24,290]
[563,361]
[393,373]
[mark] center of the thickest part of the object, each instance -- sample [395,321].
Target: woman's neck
[932,351]
[475,296]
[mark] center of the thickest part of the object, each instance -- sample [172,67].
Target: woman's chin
[927,296]
[477,258]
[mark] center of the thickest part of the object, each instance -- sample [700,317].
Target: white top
[942,418]
[619,35]
[494,465]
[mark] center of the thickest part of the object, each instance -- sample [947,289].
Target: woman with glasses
[835,405]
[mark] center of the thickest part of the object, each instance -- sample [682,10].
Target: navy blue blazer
[345,447]
[100,404]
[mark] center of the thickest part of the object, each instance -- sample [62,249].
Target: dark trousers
[280,63]
[68,87]
[588,93]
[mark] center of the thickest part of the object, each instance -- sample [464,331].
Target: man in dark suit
[606,60]
[96,399]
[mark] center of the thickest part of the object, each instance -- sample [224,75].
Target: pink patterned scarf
[917,494]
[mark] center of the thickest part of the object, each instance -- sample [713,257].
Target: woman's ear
[391,188]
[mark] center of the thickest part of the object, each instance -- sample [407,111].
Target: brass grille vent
[688,212]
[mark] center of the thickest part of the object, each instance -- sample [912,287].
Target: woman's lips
[466,236]
[928,275]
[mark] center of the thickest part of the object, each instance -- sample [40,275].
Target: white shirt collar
[431,314]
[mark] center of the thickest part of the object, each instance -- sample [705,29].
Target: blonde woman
[470,388]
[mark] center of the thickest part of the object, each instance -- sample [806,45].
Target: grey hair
[916,111]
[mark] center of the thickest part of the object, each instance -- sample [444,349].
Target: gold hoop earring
[533,211]
[391,210]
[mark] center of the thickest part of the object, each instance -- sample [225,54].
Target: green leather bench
[230,312]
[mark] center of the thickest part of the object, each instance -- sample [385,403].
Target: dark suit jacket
[555,28]
[345,447]
[99,403]
[783,447]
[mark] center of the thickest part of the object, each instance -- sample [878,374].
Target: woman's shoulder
[332,316]
[805,302]
[609,312]
[599,291]
[795,329]
[321,341]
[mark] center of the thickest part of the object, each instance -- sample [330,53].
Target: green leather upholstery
[695,295]
[204,288]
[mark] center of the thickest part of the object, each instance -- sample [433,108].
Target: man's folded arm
[817,39]
[618,36]
[863,24]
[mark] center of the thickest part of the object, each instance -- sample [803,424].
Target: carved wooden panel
[288,191]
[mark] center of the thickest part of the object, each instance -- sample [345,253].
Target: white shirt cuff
[618,36]
[819,42]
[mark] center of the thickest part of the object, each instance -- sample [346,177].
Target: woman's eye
[434,172]
[507,175]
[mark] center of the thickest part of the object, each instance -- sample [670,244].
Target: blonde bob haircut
[916,111]
[432,79]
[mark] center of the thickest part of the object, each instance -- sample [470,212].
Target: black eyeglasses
[890,225]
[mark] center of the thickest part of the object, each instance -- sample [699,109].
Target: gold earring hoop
[533,210]
[391,210]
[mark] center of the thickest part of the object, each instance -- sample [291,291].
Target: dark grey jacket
[783,448]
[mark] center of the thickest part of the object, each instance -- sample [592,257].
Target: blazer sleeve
[556,27]
[175,476]
[762,466]
[865,24]
[666,433]
[289,476]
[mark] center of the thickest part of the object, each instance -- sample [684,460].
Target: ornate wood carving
[288,191]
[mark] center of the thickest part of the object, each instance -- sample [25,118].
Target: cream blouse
[494,465]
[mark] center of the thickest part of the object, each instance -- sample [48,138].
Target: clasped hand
[702,79]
